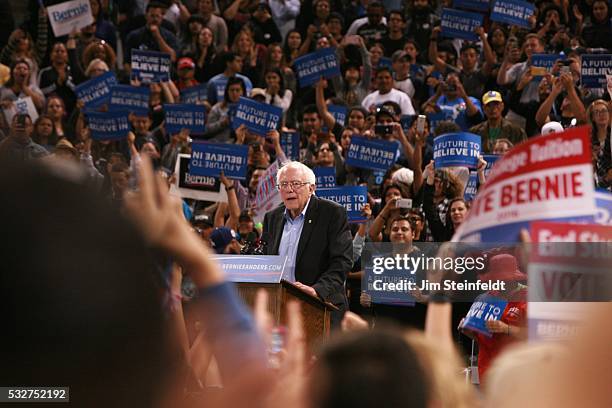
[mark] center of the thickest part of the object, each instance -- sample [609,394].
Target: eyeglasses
[600,111]
[295,185]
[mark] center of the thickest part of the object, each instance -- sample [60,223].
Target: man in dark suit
[314,235]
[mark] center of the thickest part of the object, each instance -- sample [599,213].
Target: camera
[403,203]
[383,129]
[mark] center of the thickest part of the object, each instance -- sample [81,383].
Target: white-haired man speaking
[313,233]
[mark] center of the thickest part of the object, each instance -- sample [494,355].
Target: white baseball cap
[552,127]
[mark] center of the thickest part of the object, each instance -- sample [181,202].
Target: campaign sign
[258,117]
[457,149]
[339,113]
[203,188]
[311,67]
[490,159]
[150,66]
[603,202]
[434,119]
[372,283]
[267,196]
[513,12]
[477,5]
[406,122]
[371,154]
[544,63]
[96,91]
[460,24]
[471,188]
[352,198]
[108,125]
[290,143]
[130,98]
[194,94]
[24,106]
[384,62]
[68,16]
[549,177]
[252,268]
[210,159]
[184,116]
[326,176]
[594,69]
[486,307]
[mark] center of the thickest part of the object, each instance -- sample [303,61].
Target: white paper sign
[22,106]
[68,16]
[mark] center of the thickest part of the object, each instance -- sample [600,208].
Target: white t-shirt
[399,97]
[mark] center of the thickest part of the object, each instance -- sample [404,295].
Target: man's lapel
[309,217]
[279,224]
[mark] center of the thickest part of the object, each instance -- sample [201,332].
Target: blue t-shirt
[456,110]
[217,84]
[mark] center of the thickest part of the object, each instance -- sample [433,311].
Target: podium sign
[252,269]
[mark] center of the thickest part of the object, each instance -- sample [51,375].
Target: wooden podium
[315,312]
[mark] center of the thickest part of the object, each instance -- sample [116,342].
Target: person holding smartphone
[18,146]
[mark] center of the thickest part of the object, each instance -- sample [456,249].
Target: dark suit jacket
[325,250]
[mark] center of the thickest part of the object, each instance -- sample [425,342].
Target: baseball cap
[398,55]
[491,96]
[221,237]
[202,218]
[258,92]
[552,127]
[186,62]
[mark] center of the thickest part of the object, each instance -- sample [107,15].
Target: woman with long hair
[276,93]
[56,110]
[245,46]
[44,132]
[291,47]
[600,119]
[218,125]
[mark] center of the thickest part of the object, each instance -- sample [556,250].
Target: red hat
[186,62]
[505,268]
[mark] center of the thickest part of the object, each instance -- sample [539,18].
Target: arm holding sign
[161,42]
[482,165]
[489,55]
[327,117]
[576,103]
[541,116]
[232,202]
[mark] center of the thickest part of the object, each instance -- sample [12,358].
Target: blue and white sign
[311,67]
[471,188]
[476,5]
[513,12]
[371,154]
[486,307]
[252,268]
[183,116]
[210,159]
[96,91]
[594,69]
[339,113]
[457,149]
[603,212]
[150,66]
[434,119]
[384,62]
[543,61]
[490,159]
[194,94]
[290,143]
[108,125]
[258,117]
[68,16]
[326,177]
[460,24]
[352,198]
[130,98]
[372,283]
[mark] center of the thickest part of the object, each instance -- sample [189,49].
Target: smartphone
[383,129]
[420,125]
[403,203]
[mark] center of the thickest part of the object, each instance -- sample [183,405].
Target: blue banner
[258,117]
[603,212]
[372,283]
[490,159]
[96,91]
[373,154]
[194,94]
[108,125]
[486,307]
[150,66]
[544,63]
[513,12]
[460,24]
[290,143]
[326,177]
[339,113]
[130,98]
[385,62]
[406,121]
[352,198]
[457,149]
[476,5]
[434,119]
[471,188]
[253,269]
[311,67]
[594,69]
[183,116]
[209,159]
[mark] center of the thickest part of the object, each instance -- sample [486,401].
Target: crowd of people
[396,66]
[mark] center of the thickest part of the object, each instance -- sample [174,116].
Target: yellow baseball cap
[491,96]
